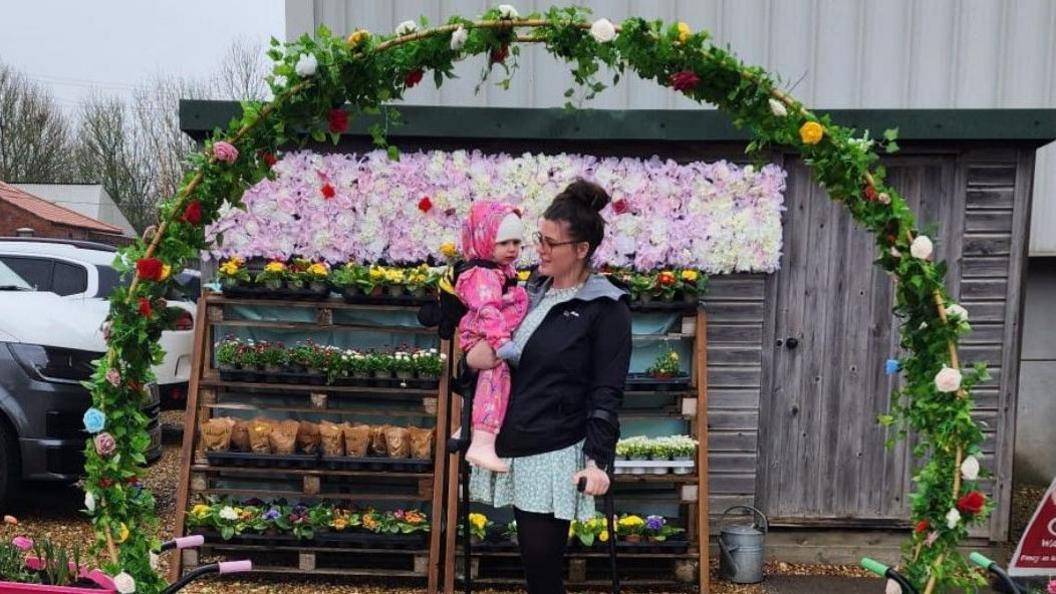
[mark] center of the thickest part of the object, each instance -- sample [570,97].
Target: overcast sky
[77,46]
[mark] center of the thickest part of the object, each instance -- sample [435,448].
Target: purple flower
[272,514]
[655,522]
[105,445]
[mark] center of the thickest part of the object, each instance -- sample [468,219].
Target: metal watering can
[741,548]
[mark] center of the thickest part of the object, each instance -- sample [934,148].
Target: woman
[561,424]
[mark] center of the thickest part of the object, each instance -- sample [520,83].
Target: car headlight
[55,364]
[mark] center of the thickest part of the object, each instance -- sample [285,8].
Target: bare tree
[35,137]
[241,73]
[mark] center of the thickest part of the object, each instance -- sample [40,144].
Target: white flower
[507,12]
[458,38]
[894,252]
[280,81]
[89,501]
[953,517]
[956,309]
[892,587]
[948,380]
[406,28]
[228,513]
[155,561]
[124,583]
[884,198]
[603,31]
[778,108]
[306,65]
[970,468]
[921,247]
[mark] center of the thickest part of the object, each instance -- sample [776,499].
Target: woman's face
[559,253]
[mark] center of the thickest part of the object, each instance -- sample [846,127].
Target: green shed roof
[1035,126]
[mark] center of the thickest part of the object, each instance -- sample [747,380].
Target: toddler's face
[507,252]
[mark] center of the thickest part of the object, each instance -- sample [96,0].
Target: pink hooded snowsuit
[492,316]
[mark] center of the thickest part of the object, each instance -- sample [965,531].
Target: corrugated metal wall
[833,53]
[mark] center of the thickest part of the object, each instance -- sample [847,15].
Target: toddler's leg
[489,409]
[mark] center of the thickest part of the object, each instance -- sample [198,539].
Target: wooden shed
[796,358]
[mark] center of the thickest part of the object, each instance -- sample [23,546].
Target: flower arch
[314,78]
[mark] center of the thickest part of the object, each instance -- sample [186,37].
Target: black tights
[542,539]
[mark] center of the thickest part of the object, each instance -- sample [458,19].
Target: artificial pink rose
[114,377]
[948,380]
[225,151]
[105,444]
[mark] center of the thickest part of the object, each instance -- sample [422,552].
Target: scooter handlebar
[980,559]
[187,542]
[235,566]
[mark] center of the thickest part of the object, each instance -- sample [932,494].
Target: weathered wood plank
[986,397]
[740,355]
[722,312]
[989,198]
[735,287]
[975,353]
[984,333]
[991,175]
[979,289]
[988,221]
[733,377]
[731,484]
[729,462]
[734,333]
[731,441]
[977,244]
[985,311]
[729,420]
[719,398]
[991,267]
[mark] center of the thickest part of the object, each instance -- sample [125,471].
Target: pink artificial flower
[105,444]
[22,543]
[1051,589]
[932,537]
[225,152]
[113,376]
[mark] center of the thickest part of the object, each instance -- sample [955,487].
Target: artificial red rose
[972,503]
[328,191]
[684,80]
[870,193]
[144,307]
[338,120]
[106,482]
[425,204]
[413,77]
[269,159]
[922,526]
[620,206]
[149,269]
[499,54]
[193,213]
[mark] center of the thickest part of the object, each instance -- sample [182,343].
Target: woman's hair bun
[586,193]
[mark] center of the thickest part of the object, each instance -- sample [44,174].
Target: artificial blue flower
[892,366]
[94,420]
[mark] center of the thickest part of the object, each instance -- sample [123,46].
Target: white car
[81,273]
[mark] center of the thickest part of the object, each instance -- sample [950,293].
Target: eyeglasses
[548,244]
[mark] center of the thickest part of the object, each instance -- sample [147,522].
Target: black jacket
[569,382]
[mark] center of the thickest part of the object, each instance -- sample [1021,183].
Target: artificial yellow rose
[166,271]
[811,133]
[523,275]
[690,275]
[478,520]
[122,533]
[448,249]
[358,36]
[274,266]
[683,32]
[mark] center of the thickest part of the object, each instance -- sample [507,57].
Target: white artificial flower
[948,380]
[458,38]
[155,561]
[894,252]
[507,12]
[306,65]
[884,198]
[921,247]
[406,28]
[955,309]
[228,513]
[603,31]
[970,468]
[778,108]
[124,583]
[892,587]
[953,517]
[89,501]
[280,81]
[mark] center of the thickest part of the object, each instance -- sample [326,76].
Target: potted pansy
[656,529]
[296,274]
[232,273]
[410,521]
[373,281]
[591,531]
[249,356]
[693,284]
[630,528]
[668,284]
[417,280]
[395,282]
[301,522]
[273,276]
[666,366]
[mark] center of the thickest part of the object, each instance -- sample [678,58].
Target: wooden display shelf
[213,380]
[319,560]
[332,303]
[358,496]
[322,472]
[344,411]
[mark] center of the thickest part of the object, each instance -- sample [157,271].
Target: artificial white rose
[953,517]
[458,39]
[507,12]
[125,583]
[921,247]
[884,198]
[306,65]
[948,380]
[89,501]
[970,468]
[406,28]
[778,108]
[603,31]
[958,311]
[228,513]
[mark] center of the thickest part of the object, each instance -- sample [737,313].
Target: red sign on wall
[1036,552]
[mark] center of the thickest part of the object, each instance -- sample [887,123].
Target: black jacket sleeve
[611,359]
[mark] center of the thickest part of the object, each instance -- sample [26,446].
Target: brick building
[24,213]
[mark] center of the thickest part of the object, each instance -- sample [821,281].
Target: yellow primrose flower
[377,272]
[122,533]
[690,275]
[166,271]
[230,267]
[683,32]
[523,275]
[478,520]
[200,510]
[318,269]
[604,536]
[811,133]
[631,521]
[357,37]
[274,266]
[340,523]
[448,249]
[673,355]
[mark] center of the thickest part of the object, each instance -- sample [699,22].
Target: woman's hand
[597,479]
[482,356]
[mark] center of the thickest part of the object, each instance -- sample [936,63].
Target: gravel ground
[47,510]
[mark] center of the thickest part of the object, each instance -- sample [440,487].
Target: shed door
[822,453]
